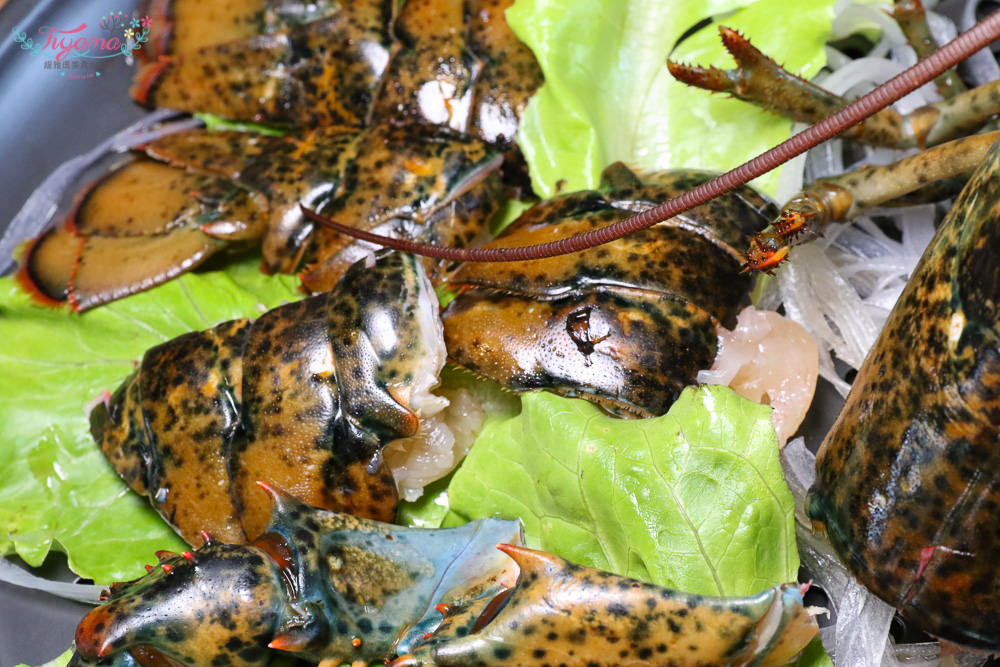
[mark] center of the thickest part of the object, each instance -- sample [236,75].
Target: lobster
[626,325]
[930,558]
[327,586]
[207,414]
[906,476]
[426,100]
[304,396]
[196,193]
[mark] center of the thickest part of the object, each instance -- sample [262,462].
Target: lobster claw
[618,620]
[161,611]
[322,584]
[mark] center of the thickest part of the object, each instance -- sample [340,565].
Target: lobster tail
[303,398]
[146,219]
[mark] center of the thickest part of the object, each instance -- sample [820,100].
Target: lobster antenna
[958,49]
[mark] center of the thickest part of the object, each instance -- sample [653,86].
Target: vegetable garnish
[694,500]
[615,100]
[56,489]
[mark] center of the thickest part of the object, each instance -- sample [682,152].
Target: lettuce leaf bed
[56,489]
[694,500]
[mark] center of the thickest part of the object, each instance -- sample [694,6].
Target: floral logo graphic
[121,34]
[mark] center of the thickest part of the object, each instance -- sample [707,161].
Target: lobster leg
[934,174]
[761,81]
[912,20]
[906,477]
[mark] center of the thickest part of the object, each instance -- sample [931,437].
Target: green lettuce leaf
[608,95]
[56,489]
[694,500]
[59,661]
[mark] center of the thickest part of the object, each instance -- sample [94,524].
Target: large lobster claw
[316,584]
[566,614]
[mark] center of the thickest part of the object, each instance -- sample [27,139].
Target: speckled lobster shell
[333,588]
[453,63]
[907,481]
[302,397]
[317,584]
[401,126]
[202,192]
[628,324]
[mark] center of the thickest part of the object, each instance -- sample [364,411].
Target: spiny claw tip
[206,537]
[270,490]
[286,642]
[167,569]
[149,568]
[190,557]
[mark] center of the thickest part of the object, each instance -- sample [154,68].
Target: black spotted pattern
[627,324]
[907,479]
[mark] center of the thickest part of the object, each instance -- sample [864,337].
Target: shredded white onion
[42,205]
